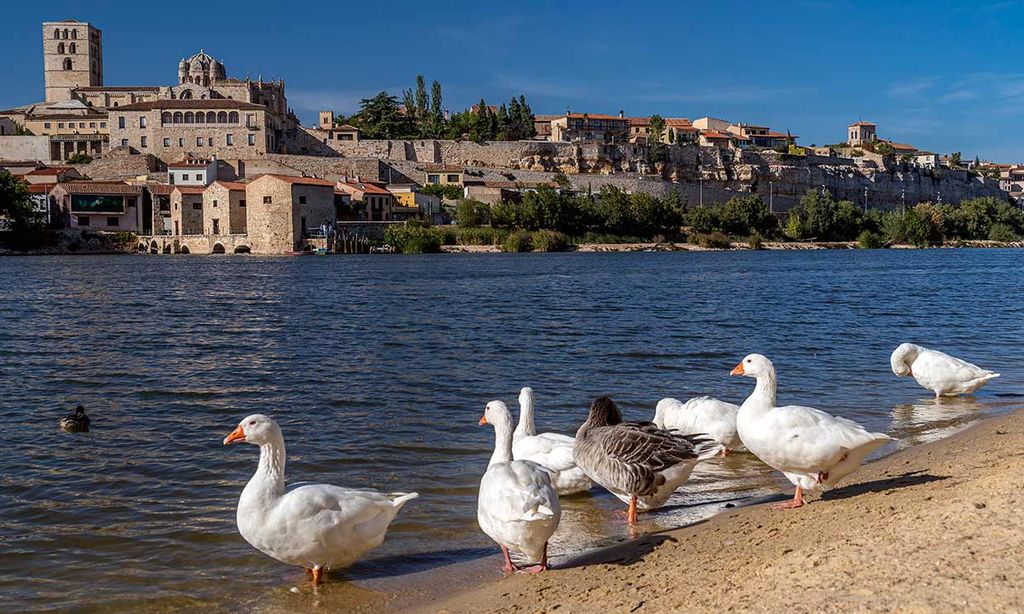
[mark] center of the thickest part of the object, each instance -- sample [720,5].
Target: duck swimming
[76,422]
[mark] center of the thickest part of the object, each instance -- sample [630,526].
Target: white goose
[941,373]
[812,448]
[552,450]
[701,416]
[517,507]
[316,526]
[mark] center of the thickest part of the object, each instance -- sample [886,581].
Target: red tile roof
[161,189]
[21,163]
[595,116]
[52,170]
[367,188]
[678,122]
[39,188]
[442,168]
[639,121]
[299,180]
[189,189]
[100,187]
[231,185]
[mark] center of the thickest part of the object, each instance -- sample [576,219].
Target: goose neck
[764,391]
[502,443]
[526,426]
[270,472]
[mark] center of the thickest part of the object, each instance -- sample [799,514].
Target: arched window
[186,95]
[211,117]
[74,34]
[165,117]
[222,117]
[67,64]
[233,117]
[56,33]
[71,48]
[190,118]
[60,47]
[178,117]
[200,118]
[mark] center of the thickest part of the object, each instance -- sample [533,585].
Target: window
[252,139]
[250,119]
[302,200]
[214,203]
[230,139]
[56,33]
[142,121]
[92,124]
[199,141]
[144,141]
[60,47]
[120,122]
[74,34]
[124,142]
[216,226]
[241,204]
[60,125]
[453,178]
[112,221]
[267,200]
[67,64]
[433,178]
[197,206]
[167,142]
[81,124]
[184,176]
[209,141]
[83,220]
[46,125]
[181,142]
[103,124]
[71,48]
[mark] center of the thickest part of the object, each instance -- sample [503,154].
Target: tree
[378,118]
[472,213]
[422,101]
[16,204]
[657,147]
[820,217]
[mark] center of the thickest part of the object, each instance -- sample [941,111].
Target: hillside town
[214,163]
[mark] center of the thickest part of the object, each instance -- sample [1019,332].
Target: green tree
[378,118]
[820,217]
[436,109]
[16,204]
[657,147]
[422,101]
[472,213]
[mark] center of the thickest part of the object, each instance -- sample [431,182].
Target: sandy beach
[935,528]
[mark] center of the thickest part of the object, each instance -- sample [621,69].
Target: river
[378,368]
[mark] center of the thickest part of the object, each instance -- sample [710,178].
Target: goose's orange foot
[508,567]
[534,569]
[317,574]
[797,501]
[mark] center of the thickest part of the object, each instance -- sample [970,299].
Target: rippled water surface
[378,368]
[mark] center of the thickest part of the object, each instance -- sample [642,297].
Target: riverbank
[690,247]
[929,529]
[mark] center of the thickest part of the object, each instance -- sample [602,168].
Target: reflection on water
[377,369]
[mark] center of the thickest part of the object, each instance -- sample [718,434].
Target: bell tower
[72,57]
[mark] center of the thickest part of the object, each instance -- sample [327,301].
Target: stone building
[861,132]
[193,171]
[72,58]
[373,202]
[187,210]
[224,206]
[590,127]
[171,129]
[100,205]
[281,210]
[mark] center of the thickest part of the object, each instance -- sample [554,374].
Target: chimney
[622,113]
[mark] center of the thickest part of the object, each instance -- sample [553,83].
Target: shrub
[518,241]
[550,241]
[79,158]
[1001,232]
[413,239]
[755,241]
[472,213]
[869,240]
[714,240]
[820,217]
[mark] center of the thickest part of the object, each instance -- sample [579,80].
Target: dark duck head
[76,422]
[604,412]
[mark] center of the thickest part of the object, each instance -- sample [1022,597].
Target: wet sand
[934,528]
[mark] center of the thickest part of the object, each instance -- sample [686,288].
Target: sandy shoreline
[932,528]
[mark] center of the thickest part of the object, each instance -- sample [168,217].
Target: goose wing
[631,456]
[951,367]
[518,491]
[809,440]
[551,450]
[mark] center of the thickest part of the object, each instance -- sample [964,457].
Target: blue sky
[943,76]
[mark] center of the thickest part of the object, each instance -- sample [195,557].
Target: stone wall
[18,147]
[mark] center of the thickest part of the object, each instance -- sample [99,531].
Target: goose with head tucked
[638,462]
[813,449]
[941,373]
[316,526]
[517,506]
[551,450]
[701,416]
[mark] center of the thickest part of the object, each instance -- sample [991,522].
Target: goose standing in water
[76,422]
[701,416]
[552,450]
[517,506]
[316,526]
[939,372]
[812,448]
[638,462]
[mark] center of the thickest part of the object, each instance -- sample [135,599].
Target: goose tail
[400,498]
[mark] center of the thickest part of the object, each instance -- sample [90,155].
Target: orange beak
[483,420]
[235,436]
[738,370]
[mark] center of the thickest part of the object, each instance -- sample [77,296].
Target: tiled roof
[53,170]
[21,163]
[639,121]
[367,188]
[161,189]
[441,168]
[676,122]
[100,187]
[189,189]
[299,180]
[190,164]
[39,188]
[215,103]
[65,117]
[118,88]
[780,135]
[231,185]
[595,116]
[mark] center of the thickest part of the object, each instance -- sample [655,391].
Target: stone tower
[72,57]
[326,120]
